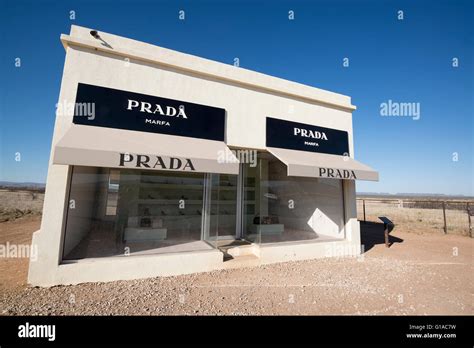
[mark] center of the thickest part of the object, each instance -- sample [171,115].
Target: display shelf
[161,197]
[189,187]
[150,201]
[269,229]
[139,234]
[171,186]
[186,201]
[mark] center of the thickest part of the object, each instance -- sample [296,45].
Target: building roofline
[132,49]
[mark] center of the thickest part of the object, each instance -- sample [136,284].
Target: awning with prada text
[117,148]
[321,165]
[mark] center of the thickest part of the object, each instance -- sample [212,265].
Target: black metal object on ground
[387,223]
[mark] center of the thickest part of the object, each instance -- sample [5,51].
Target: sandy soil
[418,274]
[13,271]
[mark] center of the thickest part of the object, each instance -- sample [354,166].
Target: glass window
[224,204]
[282,208]
[220,208]
[121,212]
[114,212]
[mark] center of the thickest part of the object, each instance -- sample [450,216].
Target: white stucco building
[163,163]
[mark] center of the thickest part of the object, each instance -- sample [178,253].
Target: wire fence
[420,216]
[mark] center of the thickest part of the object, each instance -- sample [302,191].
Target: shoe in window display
[271,196]
[145,221]
[267,225]
[265,220]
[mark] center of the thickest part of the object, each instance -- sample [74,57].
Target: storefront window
[282,208]
[114,212]
[121,212]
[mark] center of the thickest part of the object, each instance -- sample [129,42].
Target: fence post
[363,205]
[469,217]
[444,217]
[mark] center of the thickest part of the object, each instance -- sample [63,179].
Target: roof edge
[153,54]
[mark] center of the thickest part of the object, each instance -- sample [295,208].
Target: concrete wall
[352,227]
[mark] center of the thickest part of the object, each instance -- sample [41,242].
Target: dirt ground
[13,271]
[419,274]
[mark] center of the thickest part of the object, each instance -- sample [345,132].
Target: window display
[281,208]
[155,212]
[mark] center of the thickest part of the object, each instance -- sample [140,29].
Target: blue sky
[407,60]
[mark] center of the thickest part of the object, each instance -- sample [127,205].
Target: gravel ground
[418,274]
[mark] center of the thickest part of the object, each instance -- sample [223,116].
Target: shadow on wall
[372,233]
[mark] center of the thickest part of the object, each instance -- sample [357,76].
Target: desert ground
[423,272]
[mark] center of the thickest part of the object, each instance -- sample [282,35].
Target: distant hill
[22,185]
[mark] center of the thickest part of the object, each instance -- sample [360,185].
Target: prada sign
[119,109]
[155,162]
[299,136]
[156,109]
[335,173]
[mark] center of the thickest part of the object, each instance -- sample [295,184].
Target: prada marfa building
[163,163]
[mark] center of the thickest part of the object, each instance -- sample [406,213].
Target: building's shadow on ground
[371,233]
